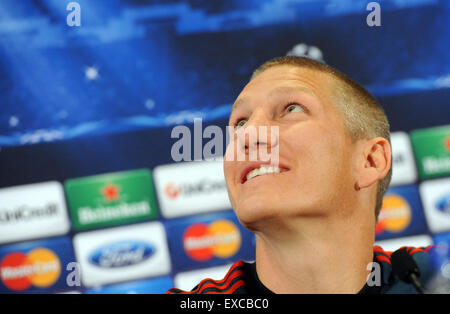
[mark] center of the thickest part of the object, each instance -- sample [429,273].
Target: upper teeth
[262,170]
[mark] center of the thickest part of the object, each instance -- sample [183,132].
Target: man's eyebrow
[238,102]
[275,92]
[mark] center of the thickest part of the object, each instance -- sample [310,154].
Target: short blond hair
[364,118]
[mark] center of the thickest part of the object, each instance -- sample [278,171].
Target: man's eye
[240,123]
[294,108]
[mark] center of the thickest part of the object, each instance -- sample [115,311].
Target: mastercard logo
[39,268]
[395,215]
[221,239]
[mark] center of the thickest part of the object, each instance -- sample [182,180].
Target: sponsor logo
[432,148]
[121,254]
[32,211]
[443,204]
[191,189]
[434,165]
[111,199]
[395,215]
[441,254]
[27,213]
[111,193]
[398,159]
[41,268]
[403,165]
[171,190]
[435,195]
[221,239]
[89,215]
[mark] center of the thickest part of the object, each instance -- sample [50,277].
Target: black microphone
[404,266]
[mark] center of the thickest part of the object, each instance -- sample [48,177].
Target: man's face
[315,151]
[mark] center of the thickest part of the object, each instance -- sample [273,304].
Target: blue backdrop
[103,97]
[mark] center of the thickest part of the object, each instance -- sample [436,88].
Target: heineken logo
[436,165]
[89,215]
[111,199]
[111,192]
[432,149]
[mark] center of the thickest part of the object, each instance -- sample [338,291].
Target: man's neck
[312,255]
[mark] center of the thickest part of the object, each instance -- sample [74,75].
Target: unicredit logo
[27,213]
[121,254]
[173,190]
[398,158]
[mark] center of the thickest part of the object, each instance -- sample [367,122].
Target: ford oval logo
[120,254]
[443,204]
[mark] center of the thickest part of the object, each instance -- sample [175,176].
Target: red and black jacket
[241,278]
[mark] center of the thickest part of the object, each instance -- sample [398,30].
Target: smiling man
[314,208]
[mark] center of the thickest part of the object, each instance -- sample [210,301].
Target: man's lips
[254,165]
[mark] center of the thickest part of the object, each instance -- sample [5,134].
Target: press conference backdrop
[87,181]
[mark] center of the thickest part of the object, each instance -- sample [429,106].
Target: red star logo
[111,192]
[447,144]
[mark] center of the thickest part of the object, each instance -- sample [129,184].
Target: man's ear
[376,162]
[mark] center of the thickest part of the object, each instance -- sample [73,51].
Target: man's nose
[258,131]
